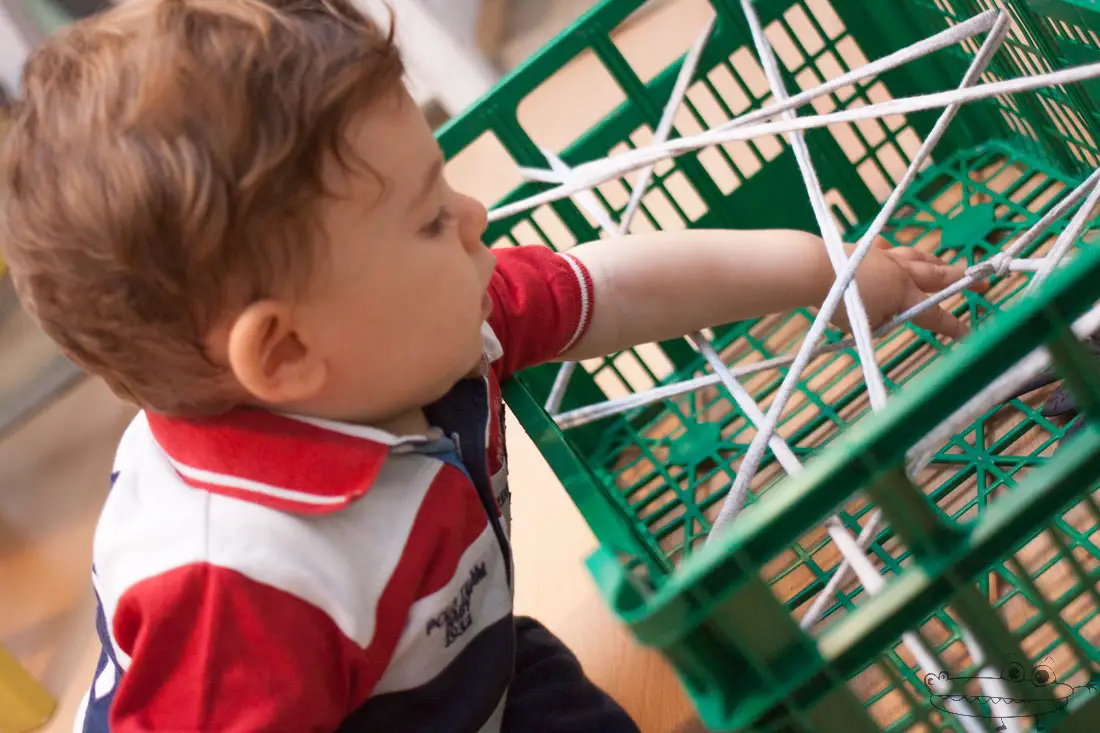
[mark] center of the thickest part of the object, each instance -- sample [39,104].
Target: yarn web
[780,117]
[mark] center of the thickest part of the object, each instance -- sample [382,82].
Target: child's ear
[271,358]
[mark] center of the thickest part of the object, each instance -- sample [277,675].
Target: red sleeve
[214,650]
[542,305]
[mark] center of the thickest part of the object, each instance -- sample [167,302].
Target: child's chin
[474,370]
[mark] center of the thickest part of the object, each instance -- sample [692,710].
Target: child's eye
[437,225]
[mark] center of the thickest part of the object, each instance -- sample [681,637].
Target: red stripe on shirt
[202,638]
[450,519]
[212,649]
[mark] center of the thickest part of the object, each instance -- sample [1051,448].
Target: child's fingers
[931,274]
[906,253]
[937,320]
[917,255]
[932,278]
[978,286]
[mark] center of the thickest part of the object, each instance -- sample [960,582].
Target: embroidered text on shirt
[457,617]
[504,496]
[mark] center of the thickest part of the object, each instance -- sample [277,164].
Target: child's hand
[893,279]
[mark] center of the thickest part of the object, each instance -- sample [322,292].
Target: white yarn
[641,183]
[1065,240]
[580,181]
[844,282]
[944,39]
[850,550]
[752,411]
[593,174]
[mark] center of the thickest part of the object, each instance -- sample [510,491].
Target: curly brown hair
[162,171]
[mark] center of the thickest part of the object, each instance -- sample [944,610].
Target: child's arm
[658,286]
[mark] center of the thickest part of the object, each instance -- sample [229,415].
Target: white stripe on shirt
[585,304]
[419,655]
[153,522]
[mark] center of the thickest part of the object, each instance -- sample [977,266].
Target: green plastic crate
[993,505]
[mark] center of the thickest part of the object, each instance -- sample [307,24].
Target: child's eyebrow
[428,183]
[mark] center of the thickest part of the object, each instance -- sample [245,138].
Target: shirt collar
[491,347]
[288,462]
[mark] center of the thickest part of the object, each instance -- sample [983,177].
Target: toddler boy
[233,213]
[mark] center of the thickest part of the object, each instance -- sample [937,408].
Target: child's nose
[474,219]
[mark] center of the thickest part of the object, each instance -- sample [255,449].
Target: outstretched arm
[657,286]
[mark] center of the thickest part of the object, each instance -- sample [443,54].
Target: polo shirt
[261,571]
